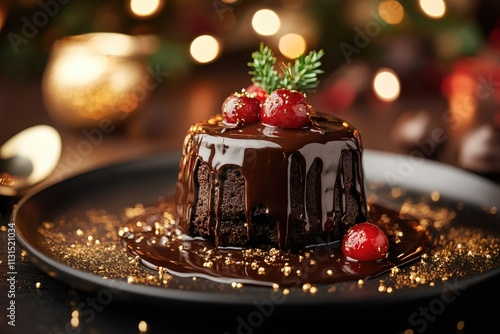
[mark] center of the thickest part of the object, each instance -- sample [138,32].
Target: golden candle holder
[97,77]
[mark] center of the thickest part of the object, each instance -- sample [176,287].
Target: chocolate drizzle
[301,186]
[154,238]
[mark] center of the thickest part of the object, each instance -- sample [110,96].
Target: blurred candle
[97,77]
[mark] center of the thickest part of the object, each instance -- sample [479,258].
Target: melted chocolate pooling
[155,239]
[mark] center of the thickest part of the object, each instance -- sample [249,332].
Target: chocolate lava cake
[254,186]
[269,171]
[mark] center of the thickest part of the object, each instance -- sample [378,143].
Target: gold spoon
[27,158]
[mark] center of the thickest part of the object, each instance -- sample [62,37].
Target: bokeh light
[144,7]
[433,8]
[391,11]
[386,85]
[204,49]
[266,22]
[292,45]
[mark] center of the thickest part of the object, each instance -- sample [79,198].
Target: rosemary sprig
[264,74]
[301,76]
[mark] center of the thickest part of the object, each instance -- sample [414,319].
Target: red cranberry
[285,108]
[365,242]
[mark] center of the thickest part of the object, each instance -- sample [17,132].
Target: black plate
[123,185]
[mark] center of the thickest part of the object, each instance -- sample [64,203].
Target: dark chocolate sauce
[155,239]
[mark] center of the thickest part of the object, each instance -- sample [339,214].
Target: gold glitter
[143,326]
[208,264]
[457,250]
[382,287]
[236,285]
[48,225]
[286,270]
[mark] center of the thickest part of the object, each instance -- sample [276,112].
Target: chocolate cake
[268,171]
[259,186]
[267,183]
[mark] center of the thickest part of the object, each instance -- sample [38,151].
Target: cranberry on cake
[269,171]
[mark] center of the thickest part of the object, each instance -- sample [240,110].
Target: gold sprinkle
[460,325]
[75,314]
[306,286]
[361,282]
[276,286]
[261,271]
[130,279]
[313,290]
[286,270]
[286,292]
[329,272]
[143,326]
[79,232]
[38,285]
[48,225]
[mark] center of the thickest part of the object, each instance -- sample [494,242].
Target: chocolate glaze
[154,238]
[264,157]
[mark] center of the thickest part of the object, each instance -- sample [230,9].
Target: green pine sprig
[301,76]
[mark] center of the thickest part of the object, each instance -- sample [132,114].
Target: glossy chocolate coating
[325,205]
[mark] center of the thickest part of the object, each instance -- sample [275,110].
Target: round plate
[392,179]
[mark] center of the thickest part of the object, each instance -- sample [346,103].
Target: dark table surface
[160,128]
